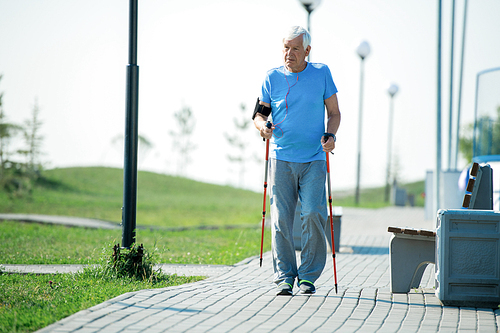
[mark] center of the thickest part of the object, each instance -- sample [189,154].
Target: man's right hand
[265,131]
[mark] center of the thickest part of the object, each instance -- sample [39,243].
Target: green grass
[162,200]
[30,302]
[31,243]
[27,302]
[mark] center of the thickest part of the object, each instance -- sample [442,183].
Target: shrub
[135,263]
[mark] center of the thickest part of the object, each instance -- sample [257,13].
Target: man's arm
[333,122]
[260,123]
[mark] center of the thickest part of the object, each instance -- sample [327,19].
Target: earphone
[286,103]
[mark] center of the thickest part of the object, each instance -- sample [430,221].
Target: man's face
[294,54]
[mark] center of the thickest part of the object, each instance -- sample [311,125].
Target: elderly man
[295,96]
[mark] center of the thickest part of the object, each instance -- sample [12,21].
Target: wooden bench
[410,251]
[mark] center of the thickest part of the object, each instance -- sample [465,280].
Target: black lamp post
[131,136]
[309,5]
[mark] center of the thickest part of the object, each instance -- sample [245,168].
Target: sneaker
[284,289]
[306,287]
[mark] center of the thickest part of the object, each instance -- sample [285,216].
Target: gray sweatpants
[289,182]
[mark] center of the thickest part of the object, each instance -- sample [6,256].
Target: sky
[212,56]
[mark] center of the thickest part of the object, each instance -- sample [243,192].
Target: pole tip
[260,262]
[336,290]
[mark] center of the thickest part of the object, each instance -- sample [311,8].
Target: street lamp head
[393,89]
[310,5]
[363,50]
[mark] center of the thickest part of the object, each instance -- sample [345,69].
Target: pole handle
[325,138]
[268,125]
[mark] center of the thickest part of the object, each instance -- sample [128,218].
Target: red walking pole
[268,125]
[331,216]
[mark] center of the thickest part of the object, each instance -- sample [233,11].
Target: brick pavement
[241,298]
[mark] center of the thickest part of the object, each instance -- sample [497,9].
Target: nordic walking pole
[268,125]
[325,138]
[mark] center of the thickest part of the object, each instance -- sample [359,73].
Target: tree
[487,137]
[7,132]
[33,141]
[182,137]
[465,142]
[20,168]
[144,145]
[238,143]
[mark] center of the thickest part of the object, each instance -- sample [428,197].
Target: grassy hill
[165,201]
[374,197]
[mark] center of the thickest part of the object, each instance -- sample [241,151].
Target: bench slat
[395,230]
[411,231]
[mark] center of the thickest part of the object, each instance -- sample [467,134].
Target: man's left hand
[329,145]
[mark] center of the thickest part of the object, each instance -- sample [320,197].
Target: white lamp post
[363,51]
[393,89]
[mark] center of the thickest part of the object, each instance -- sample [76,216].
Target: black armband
[262,109]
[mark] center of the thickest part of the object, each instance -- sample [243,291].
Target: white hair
[295,32]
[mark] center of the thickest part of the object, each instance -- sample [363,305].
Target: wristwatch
[332,135]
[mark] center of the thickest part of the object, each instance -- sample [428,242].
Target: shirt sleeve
[265,94]
[330,88]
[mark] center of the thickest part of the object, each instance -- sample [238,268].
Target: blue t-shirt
[298,111]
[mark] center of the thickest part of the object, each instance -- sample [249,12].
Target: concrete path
[241,298]
[64,220]
[179,269]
